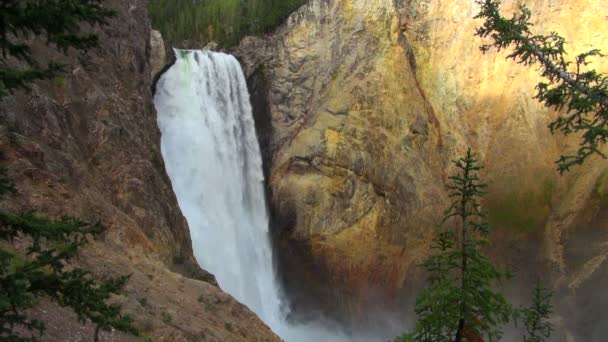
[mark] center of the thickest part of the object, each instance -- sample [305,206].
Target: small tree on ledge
[458,303]
[536,316]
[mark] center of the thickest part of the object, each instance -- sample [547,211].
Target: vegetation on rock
[459,303]
[43,272]
[36,251]
[58,21]
[188,24]
[535,317]
[580,93]
[524,209]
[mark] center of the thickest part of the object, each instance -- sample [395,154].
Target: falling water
[212,156]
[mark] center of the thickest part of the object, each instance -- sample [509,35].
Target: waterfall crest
[213,159]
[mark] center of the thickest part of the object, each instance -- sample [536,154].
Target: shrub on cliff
[459,303]
[59,22]
[577,91]
[536,316]
[40,272]
[35,251]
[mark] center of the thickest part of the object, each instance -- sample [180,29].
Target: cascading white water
[213,159]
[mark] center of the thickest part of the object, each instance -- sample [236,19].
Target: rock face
[366,102]
[486,101]
[87,145]
[158,52]
[356,151]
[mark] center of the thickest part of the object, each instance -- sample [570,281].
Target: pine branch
[42,272]
[536,317]
[60,22]
[583,94]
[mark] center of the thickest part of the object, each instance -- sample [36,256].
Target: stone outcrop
[364,104]
[356,172]
[86,145]
[356,153]
[158,53]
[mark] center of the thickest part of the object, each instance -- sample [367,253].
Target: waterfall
[213,159]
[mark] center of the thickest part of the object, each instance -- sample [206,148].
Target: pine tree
[182,21]
[580,93]
[535,317]
[58,21]
[41,270]
[458,303]
[42,273]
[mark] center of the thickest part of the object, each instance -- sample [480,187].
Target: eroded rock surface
[365,104]
[356,175]
[86,145]
[158,52]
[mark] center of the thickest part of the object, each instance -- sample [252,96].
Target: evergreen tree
[185,22]
[42,272]
[579,92]
[41,269]
[58,21]
[458,303]
[535,317]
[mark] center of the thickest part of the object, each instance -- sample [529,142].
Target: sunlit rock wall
[368,103]
[356,174]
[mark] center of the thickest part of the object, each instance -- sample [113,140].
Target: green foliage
[143,302]
[59,82]
[189,23]
[228,327]
[6,183]
[580,93]
[535,317]
[602,187]
[459,302]
[166,317]
[59,21]
[42,272]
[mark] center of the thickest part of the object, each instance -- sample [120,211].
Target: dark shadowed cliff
[87,145]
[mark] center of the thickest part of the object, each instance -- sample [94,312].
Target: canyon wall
[86,144]
[555,224]
[362,105]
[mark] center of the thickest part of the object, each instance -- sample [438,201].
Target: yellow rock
[370,102]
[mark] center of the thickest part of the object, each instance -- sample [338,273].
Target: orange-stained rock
[369,101]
